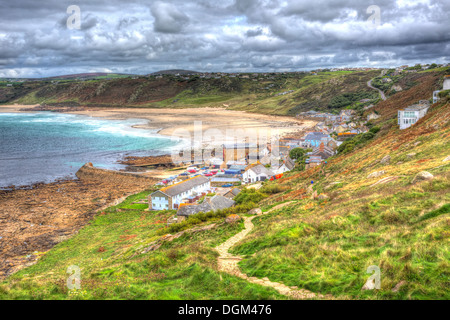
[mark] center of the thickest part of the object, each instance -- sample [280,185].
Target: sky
[42,38]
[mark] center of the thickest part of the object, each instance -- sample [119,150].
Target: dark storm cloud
[231,35]
[168,18]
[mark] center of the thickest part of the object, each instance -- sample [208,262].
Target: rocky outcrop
[89,172]
[255,212]
[36,219]
[376,174]
[386,160]
[232,219]
[422,176]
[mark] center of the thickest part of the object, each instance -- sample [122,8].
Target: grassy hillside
[327,245]
[278,93]
[109,253]
[281,94]
[371,212]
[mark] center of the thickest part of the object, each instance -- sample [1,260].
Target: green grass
[302,247]
[108,254]
[327,246]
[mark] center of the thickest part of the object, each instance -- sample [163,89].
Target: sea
[47,146]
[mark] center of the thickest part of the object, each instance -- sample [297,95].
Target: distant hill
[88,76]
[174,71]
[272,93]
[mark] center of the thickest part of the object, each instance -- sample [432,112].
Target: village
[214,183]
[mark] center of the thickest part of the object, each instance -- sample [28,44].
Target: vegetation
[348,99]
[349,145]
[108,251]
[323,244]
[327,245]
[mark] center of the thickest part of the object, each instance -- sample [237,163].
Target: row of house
[171,197]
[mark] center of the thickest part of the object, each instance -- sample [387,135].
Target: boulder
[423,176]
[234,218]
[447,159]
[386,160]
[398,286]
[376,174]
[323,196]
[411,155]
[255,212]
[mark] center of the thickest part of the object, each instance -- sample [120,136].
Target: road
[383,96]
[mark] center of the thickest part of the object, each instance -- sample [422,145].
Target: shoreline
[33,221]
[166,122]
[181,122]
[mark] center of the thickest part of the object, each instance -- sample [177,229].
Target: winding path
[369,84]
[229,264]
[383,96]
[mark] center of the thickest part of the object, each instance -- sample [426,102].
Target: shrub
[273,189]
[249,195]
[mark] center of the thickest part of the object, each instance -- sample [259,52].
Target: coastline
[167,122]
[35,218]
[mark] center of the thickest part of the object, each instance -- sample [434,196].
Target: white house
[436,96]
[171,197]
[412,114]
[446,86]
[447,83]
[257,173]
[287,166]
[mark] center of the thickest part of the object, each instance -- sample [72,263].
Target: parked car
[184,174]
[209,175]
[278,176]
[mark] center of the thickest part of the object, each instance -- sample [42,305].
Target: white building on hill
[257,173]
[171,197]
[409,116]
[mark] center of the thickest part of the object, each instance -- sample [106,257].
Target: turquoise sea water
[42,147]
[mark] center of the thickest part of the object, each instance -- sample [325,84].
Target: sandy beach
[182,122]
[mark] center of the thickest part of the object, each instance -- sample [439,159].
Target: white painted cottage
[171,197]
[288,165]
[257,173]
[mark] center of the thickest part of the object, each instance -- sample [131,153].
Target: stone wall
[89,172]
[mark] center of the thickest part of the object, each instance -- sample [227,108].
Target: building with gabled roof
[257,173]
[209,204]
[323,151]
[170,198]
[232,193]
[288,165]
[313,139]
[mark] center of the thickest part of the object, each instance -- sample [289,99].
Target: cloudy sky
[228,35]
